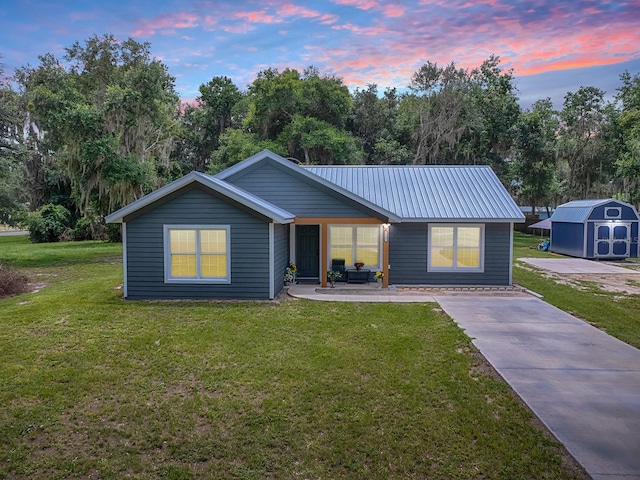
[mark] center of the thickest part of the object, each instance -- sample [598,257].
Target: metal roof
[255,203]
[578,211]
[542,224]
[428,193]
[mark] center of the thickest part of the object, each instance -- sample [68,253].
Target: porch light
[385,232]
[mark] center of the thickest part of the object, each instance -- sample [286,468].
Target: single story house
[231,236]
[595,229]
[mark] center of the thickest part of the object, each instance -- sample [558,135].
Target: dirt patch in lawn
[622,283]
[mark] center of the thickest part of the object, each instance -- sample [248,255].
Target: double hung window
[196,254]
[456,247]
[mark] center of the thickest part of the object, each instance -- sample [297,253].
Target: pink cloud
[259,16]
[238,28]
[291,10]
[370,31]
[393,10]
[167,23]
[360,4]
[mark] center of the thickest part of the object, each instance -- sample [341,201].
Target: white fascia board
[462,220]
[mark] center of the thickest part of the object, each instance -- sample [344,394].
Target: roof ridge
[394,166]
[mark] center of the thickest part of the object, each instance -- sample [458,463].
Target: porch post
[385,255]
[324,264]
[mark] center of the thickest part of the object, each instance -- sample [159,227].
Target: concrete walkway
[583,384]
[355,293]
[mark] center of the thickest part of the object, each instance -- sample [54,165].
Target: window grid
[197,254]
[456,248]
[355,243]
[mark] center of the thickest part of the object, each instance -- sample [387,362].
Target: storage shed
[595,229]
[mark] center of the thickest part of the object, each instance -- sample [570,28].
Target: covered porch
[317,243]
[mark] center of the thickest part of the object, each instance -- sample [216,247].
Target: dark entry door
[308,251]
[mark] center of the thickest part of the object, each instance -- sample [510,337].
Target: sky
[552,46]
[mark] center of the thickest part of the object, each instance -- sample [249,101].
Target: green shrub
[49,223]
[114,232]
[90,228]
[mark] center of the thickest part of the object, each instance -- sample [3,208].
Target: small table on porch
[357,276]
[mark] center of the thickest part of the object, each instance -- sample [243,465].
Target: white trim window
[197,254]
[456,248]
[356,243]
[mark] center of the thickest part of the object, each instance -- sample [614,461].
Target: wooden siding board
[294,194]
[408,249]
[249,249]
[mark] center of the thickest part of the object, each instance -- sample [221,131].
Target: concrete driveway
[582,383]
[577,265]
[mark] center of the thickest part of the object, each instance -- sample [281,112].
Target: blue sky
[552,46]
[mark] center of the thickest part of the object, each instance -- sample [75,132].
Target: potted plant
[332,276]
[379,276]
[358,265]
[290,273]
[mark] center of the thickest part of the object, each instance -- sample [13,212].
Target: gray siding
[408,251]
[294,193]
[194,206]
[281,255]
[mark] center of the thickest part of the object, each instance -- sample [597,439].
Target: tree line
[85,134]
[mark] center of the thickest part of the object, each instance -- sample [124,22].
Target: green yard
[95,387]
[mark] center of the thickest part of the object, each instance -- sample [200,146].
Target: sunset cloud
[167,23]
[361,41]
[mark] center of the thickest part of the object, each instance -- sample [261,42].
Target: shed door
[612,239]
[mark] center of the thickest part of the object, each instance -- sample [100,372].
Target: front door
[308,251]
[612,240]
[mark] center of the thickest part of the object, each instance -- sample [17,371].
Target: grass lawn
[96,387]
[615,314]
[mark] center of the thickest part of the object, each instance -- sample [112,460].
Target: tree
[236,145]
[12,195]
[372,121]
[213,116]
[324,97]
[534,153]
[320,141]
[283,106]
[584,120]
[628,161]
[274,100]
[444,112]
[496,110]
[109,116]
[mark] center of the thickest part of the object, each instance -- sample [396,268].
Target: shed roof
[228,190]
[428,193]
[578,211]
